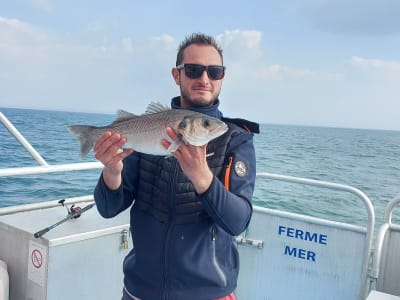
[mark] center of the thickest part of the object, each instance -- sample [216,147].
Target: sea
[368,160]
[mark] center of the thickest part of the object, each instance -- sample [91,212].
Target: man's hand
[107,150]
[193,162]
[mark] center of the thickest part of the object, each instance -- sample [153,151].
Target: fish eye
[182,124]
[206,123]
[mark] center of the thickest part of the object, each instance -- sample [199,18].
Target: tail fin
[85,136]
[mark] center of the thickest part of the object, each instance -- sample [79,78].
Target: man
[187,207]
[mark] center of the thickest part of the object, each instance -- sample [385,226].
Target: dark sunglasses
[195,71]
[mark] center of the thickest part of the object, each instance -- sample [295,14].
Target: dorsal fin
[156,107]
[123,115]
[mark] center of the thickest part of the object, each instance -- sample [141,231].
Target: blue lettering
[322,239]
[300,234]
[310,255]
[290,232]
[312,237]
[281,229]
[289,251]
[300,253]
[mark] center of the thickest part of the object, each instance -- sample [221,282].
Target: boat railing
[43,167]
[386,264]
[273,239]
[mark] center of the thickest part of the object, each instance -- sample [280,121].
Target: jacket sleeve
[109,203]
[232,209]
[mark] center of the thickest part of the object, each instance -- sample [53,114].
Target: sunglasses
[195,71]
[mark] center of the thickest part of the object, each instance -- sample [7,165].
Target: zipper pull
[227,174]
[213,234]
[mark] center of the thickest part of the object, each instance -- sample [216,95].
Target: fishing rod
[72,213]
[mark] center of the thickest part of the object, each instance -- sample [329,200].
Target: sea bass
[145,132]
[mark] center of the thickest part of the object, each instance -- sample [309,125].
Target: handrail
[50,169]
[43,167]
[389,209]
[387,224]
[346,188]
[42,205]
[20,138]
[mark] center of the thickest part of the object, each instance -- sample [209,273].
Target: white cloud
[375,64]
[238,42]
[246,63]
[279,72]
[20,40]
[11,29]
[250,39]
[164,42]
[25,44]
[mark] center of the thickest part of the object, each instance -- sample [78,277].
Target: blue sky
[308,62]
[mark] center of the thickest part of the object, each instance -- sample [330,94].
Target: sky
[329,63]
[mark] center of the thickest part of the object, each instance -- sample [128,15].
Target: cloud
[14,29]
[24,44]
[280,72]
[244,51]
[20,41]
[237,42]
[366,64]
[58,71]
[164,41]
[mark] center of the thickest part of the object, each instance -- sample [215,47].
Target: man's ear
[176,76]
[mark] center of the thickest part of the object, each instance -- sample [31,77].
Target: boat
[63,249]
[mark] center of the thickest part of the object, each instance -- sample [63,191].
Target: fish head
[199,129]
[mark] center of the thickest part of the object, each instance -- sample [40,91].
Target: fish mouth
[220,129]
[212,134]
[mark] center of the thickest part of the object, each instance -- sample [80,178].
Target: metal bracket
[124,239]
[240,240]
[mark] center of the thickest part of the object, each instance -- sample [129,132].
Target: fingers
[171,133]
[108,142]
[108,150]
[165,144]
[173,137]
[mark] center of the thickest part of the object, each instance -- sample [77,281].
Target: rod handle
[41,232]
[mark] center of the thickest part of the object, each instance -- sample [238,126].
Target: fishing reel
[73,213]
[72,210]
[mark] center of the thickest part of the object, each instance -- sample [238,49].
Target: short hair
[197,39]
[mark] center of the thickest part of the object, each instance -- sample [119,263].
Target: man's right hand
[108,150]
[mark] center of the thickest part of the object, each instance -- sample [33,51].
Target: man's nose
[204,77]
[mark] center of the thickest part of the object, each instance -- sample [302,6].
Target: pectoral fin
[174,145]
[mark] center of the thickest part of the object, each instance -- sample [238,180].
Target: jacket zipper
[164,266]
[215,263]
[227,174]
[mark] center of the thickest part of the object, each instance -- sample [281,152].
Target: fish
[145,132]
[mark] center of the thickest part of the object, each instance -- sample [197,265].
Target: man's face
[202,91]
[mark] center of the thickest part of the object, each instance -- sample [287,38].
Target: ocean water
[365,159]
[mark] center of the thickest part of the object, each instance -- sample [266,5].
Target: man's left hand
[193,162]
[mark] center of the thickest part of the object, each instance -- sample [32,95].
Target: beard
[198,102]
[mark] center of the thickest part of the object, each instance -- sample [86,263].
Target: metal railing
[43,167]
[345,188]
[383,230]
